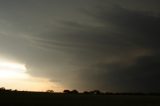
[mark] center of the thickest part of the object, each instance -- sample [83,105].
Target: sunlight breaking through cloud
[14,75]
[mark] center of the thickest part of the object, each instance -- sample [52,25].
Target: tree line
[95,92]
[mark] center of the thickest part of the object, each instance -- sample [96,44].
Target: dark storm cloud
[138,30]
[142,76]
[113,53]
[108,45]
[126,26]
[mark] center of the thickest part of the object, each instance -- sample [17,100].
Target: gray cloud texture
[106,45]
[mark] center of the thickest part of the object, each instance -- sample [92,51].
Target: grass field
[60,99]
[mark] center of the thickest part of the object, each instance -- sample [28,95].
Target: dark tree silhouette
[86,92]
[50,91]
[66,91]
[74,91]
[71,92]
[2,89]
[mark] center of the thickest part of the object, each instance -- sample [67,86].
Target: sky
[110,45]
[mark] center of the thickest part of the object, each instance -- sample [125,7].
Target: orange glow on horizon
[14,76]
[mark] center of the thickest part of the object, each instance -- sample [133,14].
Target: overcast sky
[110,45]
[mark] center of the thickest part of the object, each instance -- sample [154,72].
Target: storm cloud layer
[111,45]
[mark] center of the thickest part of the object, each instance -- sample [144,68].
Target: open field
[58,99]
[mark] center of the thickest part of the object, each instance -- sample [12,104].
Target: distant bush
[66,91]
[50,91]
[2,89]
[86,92]
[74,91]
[71,92]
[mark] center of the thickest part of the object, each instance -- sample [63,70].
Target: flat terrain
[55,99]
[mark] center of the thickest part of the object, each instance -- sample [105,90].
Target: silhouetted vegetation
[2,89]
[94,92]
[74,92]
[66,91]
[75,98]
[50,91]
[70,92]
